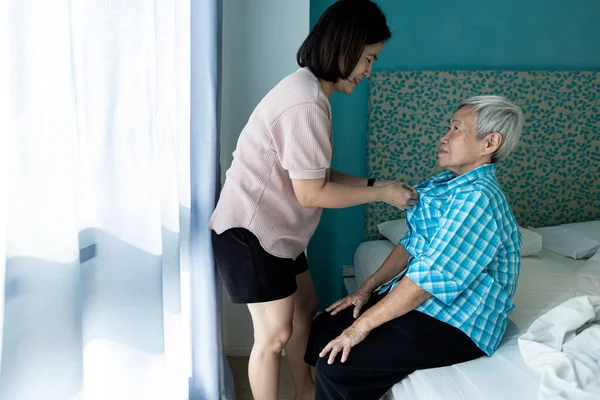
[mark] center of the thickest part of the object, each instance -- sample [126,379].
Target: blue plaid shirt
[464,247]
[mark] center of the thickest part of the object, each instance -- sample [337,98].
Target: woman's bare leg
[305,308]
[272,323]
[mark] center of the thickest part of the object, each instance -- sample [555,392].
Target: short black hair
[342,32]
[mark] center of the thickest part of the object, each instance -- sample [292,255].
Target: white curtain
[95,201]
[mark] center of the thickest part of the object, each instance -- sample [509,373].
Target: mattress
[545,281]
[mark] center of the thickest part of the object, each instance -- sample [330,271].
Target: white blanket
[563,345]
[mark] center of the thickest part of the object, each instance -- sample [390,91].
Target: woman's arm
[351,180]
[392,266]
[320,193]
[405,297]
[346,179]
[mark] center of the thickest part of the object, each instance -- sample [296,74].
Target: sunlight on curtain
[98,203]
[3,229]
[4,163]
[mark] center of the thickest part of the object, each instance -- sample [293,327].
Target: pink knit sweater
[288,136]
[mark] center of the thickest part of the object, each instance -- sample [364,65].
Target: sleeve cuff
[308,174]
[405,240]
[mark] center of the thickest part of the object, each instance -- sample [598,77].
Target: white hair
[497,114]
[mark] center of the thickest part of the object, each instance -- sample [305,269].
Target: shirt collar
[471,176]
[447,180]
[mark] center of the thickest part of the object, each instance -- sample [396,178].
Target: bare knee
[275,339]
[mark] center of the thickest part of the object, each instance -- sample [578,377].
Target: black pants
[388,354]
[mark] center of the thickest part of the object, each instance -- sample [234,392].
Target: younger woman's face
[361,70]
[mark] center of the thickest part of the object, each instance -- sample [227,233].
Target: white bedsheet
[563,345]
[545,282]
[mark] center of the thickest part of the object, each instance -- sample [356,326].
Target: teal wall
[442,34]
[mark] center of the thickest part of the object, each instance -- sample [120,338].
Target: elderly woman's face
[460,151]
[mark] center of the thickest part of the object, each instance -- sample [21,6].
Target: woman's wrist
[383,194]
[363,323]
[367,287]
[382,182]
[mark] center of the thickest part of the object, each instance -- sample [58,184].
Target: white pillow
[369,256]
[394,231]
[590,228]
[568,242]
[532,242]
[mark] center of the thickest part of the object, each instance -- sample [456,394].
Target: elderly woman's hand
[357,299]
[346,341]
[400,195]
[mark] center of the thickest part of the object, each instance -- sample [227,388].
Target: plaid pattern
[465,250]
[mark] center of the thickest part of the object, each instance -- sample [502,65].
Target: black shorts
[249,273]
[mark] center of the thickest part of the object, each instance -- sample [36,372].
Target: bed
[552,178]
[545,281]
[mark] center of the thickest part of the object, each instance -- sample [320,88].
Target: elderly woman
[461,256]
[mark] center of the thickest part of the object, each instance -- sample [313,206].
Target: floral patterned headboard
[553,177]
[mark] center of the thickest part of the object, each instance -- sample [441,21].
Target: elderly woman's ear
[493,142]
